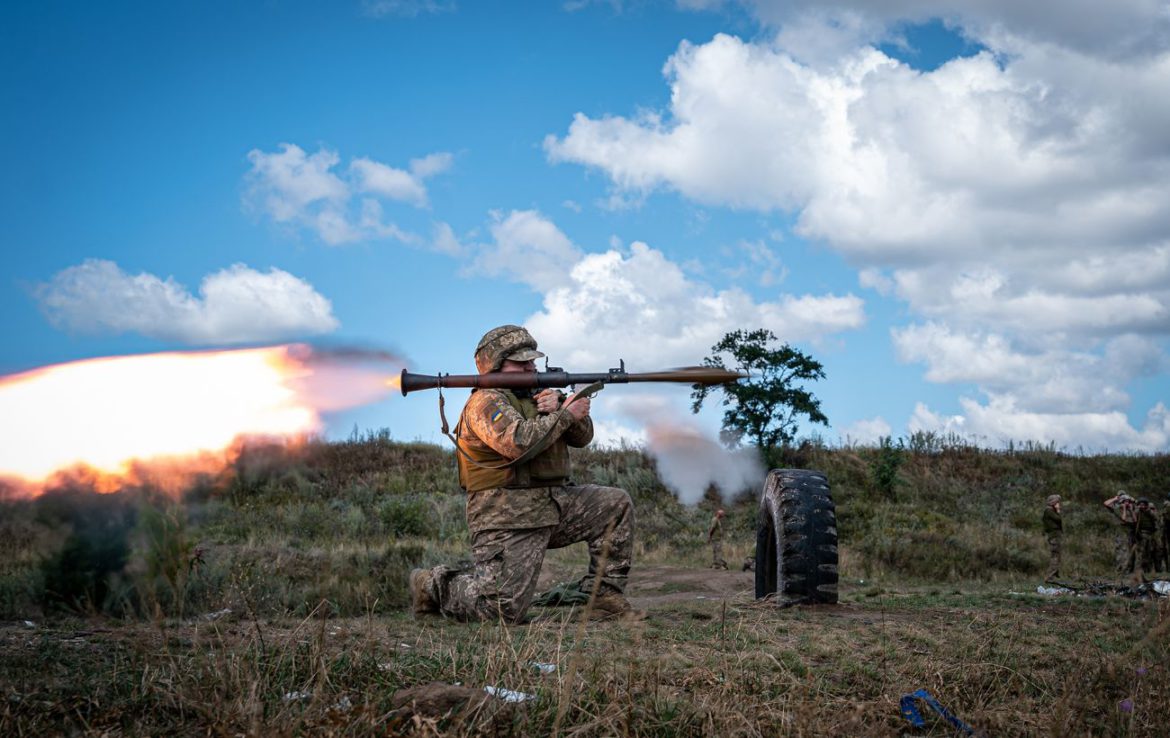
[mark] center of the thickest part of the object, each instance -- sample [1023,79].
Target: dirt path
[657,585]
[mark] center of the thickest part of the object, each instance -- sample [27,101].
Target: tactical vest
[490,470]
[1147,524]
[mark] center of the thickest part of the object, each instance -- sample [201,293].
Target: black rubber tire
[796,539]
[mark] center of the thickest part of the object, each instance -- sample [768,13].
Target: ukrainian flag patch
[497,415]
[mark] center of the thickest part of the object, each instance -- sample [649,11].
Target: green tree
[766,407]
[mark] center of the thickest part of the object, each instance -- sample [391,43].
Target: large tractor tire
[796,539]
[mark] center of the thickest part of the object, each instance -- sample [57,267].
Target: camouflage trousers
[501,580]
[717,560]
[1054,544]
[1125,553]
[1146,550]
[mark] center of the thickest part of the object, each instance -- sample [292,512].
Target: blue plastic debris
[910,711]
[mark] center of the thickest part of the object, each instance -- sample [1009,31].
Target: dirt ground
[656,585]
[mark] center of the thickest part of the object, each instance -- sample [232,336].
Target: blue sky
[958,207]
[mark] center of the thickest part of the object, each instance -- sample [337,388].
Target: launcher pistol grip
[587,392]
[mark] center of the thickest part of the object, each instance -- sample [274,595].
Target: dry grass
[310,552]
[1008,665]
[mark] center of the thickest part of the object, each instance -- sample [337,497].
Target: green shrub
[404,515]
[166,557]
[884,467]
[77,576]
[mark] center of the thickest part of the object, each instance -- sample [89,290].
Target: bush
[404,515]
[884,468]
[77,577]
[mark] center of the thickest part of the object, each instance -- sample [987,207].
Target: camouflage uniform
[715,537]
[1146,544]
[1166,535]
[1054,532]
[1124,508]
[516,512]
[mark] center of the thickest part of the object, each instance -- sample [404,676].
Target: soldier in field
[513,456]
[1146,538]
[715,538]
[1124,508]
[1054,533]
[1166,534]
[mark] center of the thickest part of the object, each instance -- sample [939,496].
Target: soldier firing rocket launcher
[556,377]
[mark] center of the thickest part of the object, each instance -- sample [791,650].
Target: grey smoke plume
[689,459]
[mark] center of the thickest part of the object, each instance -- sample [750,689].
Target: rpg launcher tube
[410,382]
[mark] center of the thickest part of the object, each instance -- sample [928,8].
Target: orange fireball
[108,413]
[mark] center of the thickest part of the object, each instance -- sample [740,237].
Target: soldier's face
[518,366]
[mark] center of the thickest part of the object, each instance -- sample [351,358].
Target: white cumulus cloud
[636,303]
[311,191]
[234,305]
[528,248]
[868,431]
[639,305]
[1013,199]
[999,422]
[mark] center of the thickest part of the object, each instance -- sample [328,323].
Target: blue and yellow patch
[497,415]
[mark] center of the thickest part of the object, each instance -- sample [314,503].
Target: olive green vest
[482,467]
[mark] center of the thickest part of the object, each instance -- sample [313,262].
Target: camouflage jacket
[1053,525]
[1147,523]
[715,532]
[497,427]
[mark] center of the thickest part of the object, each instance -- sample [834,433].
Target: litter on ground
[508,695]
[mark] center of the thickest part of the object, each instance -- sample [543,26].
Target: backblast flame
[108,414]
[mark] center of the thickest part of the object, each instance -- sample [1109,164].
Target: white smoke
[689,459]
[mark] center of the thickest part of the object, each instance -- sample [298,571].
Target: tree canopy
[767,406]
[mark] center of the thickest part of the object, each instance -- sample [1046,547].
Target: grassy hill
[285,528]
[270,599]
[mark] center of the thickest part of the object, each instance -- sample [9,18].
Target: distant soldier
[1125,508]
[1166,534]
[1054,532]
[1146,528]
[715,538]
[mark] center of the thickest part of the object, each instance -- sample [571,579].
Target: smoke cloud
[689,460]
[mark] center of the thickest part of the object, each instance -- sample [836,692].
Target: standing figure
[1146,529]
[1166,535]
[715,538]
[1054,532]
[513,457]
[1124,507]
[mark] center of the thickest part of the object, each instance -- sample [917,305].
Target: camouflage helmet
[505,342]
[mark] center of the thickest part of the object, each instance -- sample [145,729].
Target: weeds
[1009,667]
[276,592]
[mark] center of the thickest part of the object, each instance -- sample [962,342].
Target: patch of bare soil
[652,586]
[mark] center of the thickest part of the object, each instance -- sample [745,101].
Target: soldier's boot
[422,593]
[612,605]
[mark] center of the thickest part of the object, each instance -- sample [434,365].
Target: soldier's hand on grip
[548,400]
[577,407]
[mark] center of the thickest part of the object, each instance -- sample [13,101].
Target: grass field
[1005,664]
[270,600]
